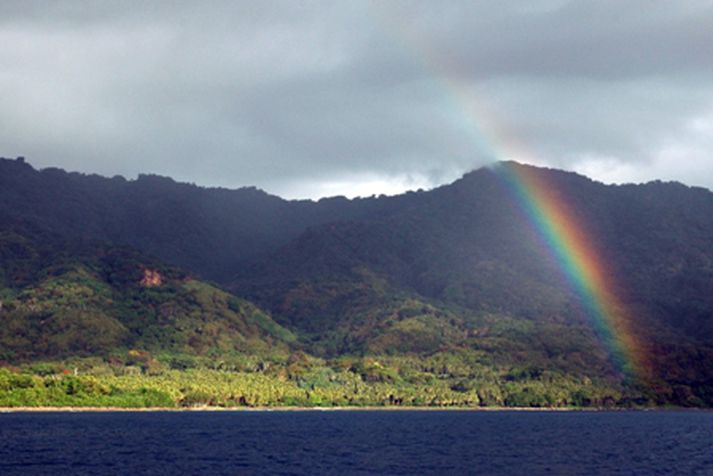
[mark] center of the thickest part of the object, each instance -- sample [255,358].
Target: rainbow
[564,237]
[582,263]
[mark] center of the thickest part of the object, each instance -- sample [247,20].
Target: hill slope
[466,250]
[210,231]
[62,298]
[458,270]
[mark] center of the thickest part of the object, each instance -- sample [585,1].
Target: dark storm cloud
[310,98]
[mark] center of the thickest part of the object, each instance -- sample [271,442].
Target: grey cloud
[602,38]
[289,95]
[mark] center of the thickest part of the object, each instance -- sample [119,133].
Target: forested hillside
[450,288]
[210,231]
[65,298]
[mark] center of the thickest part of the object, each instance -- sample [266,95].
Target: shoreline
[266,409]
[51,409]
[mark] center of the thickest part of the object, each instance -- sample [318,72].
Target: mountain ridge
[23,162]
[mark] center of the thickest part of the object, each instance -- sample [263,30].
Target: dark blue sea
[357,442]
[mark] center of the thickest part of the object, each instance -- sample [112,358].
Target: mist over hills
[210,231]
[456,268]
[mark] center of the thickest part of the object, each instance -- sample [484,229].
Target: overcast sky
[313,98]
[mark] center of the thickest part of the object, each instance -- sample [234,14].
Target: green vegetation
[442,380]
[104,326]
[64,301]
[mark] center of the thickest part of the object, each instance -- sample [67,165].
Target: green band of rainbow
[582,265]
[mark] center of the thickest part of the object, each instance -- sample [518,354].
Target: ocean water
[357,442]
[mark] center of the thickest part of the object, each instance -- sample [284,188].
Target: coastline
[51,409]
